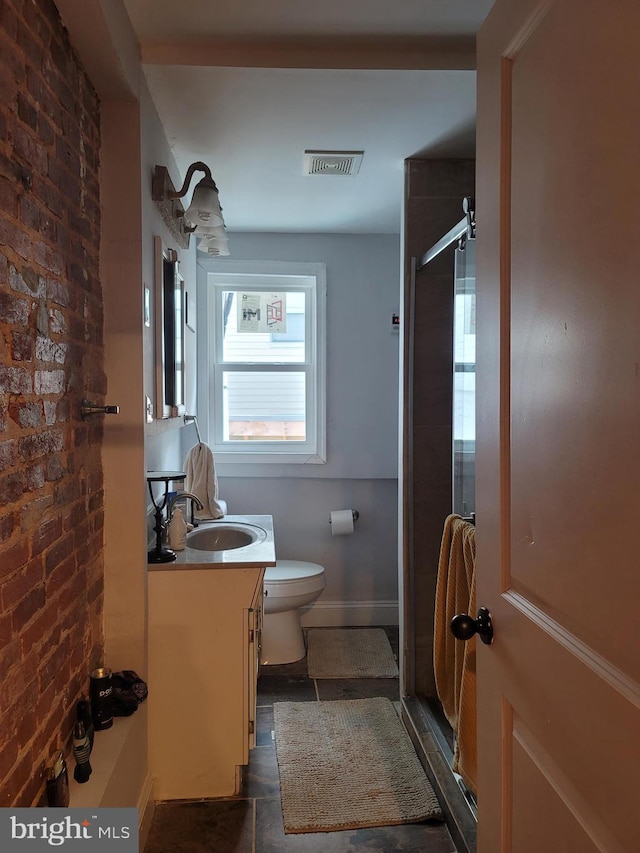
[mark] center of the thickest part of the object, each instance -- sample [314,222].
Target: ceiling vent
[345,163]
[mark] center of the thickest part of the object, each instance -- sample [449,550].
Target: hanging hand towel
[201,480]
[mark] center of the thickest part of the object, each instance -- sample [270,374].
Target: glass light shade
[205,205]
[214,245]
[207,233]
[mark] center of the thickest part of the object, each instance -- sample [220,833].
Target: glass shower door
[464,379]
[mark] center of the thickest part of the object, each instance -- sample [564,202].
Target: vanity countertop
[255,555]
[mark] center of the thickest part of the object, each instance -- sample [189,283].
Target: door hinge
[252,727]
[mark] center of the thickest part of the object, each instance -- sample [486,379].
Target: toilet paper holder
[354,513]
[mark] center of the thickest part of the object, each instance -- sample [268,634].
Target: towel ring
[193,418]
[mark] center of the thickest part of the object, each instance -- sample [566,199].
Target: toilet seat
[291,571]
[293,578]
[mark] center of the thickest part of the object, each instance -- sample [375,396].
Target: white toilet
[288,585]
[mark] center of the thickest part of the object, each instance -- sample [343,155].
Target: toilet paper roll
[341,522]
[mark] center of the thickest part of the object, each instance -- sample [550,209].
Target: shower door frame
[421,721]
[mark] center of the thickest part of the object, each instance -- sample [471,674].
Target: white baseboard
[326,614]
[146,806]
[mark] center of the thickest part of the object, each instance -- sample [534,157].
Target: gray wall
[363,291]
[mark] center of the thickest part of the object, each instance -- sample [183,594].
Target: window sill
[259,458]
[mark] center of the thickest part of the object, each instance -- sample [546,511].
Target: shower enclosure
[438,479]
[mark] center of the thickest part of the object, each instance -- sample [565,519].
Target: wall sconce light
[214,241]
[203,217]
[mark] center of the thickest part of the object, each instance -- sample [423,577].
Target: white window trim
[317,408]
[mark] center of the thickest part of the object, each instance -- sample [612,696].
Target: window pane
[262,347]
[264,406]
[464,382]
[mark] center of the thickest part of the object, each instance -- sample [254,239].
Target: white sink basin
[225,536]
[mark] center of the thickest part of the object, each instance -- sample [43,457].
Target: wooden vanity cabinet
[204,638]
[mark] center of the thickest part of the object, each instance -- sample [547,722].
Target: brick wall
[51,356]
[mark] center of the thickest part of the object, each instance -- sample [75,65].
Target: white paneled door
[558,463]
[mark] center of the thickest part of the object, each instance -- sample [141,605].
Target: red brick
[57,322]
[47,257]
[48,350]
[96,590]
[8,754]
[49,382]
[15,380]
[17,780]
[26,281]
[10,656]
[58,292]
[8,20]
[32,513]
[41,443]
[27,414]
[51,347]
[7,526]
[27,149]
[8,454]
[67,491]
[27,112]
[55,668]
[43,629]
[21,346]
[28,607]
[72,592]
[8,198]
[46,534]
[31,46]
[14,310]
[49,195]
[32,794]
[11,488]
[45,130]
[59,552]
[29,213]
[19,585]
[58,574]
[55,469]
[6,632]
[14,557]
[35,478]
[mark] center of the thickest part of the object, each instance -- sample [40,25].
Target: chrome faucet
[195,501]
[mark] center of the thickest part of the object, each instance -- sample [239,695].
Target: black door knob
[463,626]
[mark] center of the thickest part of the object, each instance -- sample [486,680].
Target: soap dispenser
[177,530]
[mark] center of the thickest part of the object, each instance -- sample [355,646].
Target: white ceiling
[248,86]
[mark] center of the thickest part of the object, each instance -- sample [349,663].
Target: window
[266,360]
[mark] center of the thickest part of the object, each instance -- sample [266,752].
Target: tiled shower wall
[51,356]
[434,192]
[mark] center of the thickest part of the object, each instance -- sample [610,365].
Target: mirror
[169,293]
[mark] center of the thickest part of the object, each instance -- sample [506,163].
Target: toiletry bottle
[81,753]
[100,691]
[57,782]
[178,530]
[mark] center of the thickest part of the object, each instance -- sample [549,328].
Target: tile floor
[252,822]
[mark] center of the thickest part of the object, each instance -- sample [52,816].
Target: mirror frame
[169,333]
